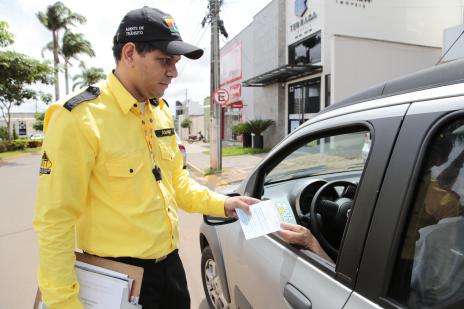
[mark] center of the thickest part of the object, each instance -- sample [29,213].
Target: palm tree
[88,76]
[55,18]
[72,45]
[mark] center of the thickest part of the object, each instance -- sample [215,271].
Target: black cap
[154,26]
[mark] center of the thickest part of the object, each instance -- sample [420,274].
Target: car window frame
[384,123]
[374,278]
[283,151]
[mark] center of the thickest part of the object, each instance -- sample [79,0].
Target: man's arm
[67,161]
[193,197]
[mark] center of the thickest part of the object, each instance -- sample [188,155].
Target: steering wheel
[329,213]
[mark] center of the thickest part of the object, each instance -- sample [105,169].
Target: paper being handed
[265,218]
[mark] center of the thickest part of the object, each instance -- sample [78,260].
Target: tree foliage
[55,18]
[72,46]
[6,37]
[39,119]
[17,72]
[88,76]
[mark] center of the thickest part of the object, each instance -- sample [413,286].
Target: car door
[266,272]
[414,254]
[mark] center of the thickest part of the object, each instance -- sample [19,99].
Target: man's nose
[172,71]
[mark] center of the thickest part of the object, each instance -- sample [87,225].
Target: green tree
[88,76]
[17,71]
[72,45]
[55,18]
[39,119]
[186,123]
[6,37]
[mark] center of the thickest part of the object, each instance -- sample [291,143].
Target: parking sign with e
[221,96]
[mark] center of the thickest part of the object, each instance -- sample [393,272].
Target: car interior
[319,180]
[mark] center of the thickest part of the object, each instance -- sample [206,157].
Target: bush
[241,128]
[257,126]
[19,144]
[3,133]
[33,143]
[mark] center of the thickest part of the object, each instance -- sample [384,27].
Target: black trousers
[164,284]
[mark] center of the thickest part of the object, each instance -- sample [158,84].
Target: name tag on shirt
[164,132]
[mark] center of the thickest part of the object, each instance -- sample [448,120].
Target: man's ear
[128,53]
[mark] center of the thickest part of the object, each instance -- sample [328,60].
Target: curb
[196,168]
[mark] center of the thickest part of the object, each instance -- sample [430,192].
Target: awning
[282,74]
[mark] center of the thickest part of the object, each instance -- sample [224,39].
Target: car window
[429,270]
[331,154]
[319,178]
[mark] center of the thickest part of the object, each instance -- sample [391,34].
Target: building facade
[22,124]
[299,56]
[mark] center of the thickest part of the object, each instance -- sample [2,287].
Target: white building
[299,56]
[22,123]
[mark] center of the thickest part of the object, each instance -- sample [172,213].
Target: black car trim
[375,170]
[440,122]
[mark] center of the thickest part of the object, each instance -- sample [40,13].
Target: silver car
[378,179]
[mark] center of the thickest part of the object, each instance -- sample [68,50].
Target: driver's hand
[299,235]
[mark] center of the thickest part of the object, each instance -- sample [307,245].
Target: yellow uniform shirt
[96,178]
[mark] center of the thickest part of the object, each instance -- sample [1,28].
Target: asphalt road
[18,246]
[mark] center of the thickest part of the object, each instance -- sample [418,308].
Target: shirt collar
[123,97]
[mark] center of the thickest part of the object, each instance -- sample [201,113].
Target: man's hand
[242,202]
[299,235]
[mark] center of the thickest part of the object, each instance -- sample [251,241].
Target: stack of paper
[101,288]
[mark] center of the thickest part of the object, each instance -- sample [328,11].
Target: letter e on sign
[221,96]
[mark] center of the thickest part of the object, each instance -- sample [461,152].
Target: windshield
[338,153]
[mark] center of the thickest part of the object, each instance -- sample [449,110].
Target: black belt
[142,262]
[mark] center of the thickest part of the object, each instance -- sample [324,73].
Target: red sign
[221,96]
[238,104]
[235,92]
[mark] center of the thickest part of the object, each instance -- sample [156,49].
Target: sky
[103,18]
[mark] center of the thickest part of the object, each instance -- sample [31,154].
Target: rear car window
[429,271]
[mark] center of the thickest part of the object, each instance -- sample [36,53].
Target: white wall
[419,22]
[358,64]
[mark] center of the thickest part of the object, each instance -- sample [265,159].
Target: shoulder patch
[88,94]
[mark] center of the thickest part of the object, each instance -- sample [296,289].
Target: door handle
[295,298]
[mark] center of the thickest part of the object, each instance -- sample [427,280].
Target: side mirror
[217,220]
[210,220]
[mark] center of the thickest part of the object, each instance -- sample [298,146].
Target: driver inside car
[299,235]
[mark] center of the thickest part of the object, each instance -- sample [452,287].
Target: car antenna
[441,58]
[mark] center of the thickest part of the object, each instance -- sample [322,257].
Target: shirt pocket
[166,152]
[126,178]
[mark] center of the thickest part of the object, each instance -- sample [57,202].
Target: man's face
[153,72]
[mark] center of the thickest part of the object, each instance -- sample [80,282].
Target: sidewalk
[234,168]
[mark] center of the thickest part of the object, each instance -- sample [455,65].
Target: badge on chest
[164,132]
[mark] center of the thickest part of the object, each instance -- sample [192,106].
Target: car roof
[436,76]
[440,81]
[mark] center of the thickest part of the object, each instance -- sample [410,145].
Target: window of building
[307,51]
[429,271]
[304,99]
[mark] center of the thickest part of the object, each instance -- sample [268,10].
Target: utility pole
[215,109]
[217,26]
